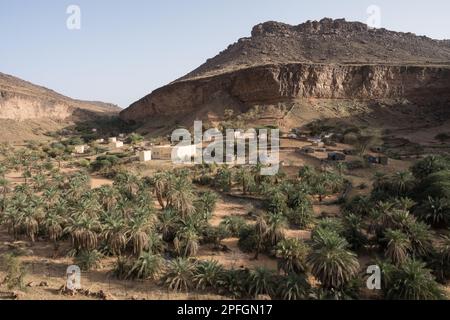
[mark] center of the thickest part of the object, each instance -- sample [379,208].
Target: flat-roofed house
[145,156]
[80,149]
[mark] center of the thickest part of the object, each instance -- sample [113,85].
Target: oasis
[215,147]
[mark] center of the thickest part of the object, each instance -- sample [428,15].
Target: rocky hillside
[283,66]
[325,41]
[21,100]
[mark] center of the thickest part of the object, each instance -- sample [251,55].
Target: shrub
[293,287]
[233,225]
[207,275]
[292,254]
[88,259]
[234,283]
[261,282]
[179,275]
[15,272]
[248,239]
[430,165]
[147,266]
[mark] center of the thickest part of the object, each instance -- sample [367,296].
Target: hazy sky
[126,49]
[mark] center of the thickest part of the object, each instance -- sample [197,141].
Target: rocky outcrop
[21,100]
[277,83]
[327,59]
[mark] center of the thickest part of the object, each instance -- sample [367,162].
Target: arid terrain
[364,122]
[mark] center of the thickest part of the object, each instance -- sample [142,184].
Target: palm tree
[330,261]
[114,232]
[53,223]
[412,281]
[162,183]
[403,182]
[261,282]
[147,266]
[4,189]
[294,287]
[166,224]
[83,231]
[292,254]
[139,228]
[187,241]
[207,203]
[179,275]
[245,179]
[398,246]
[435,211]
[181,198]
[261,231]
[276,223]
[419,234]
[223,179]
[207,274]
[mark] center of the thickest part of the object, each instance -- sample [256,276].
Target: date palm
[412,281]
[276,224]
[292,254]
[187,241]
[181,198]
[4,189]
[261,282]
[330,260]
[147,266]
[139,228]
[398,246]
[294,287]
[83,231]
[207,275]
[53,222]
[114,232]
[245,178]
[29,222]
[179,275]
[261,231]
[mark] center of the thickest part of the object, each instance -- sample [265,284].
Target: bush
[234,283]
[233,225]
[88,260]
[208,274]
[248,239]
[147,266]
[103,162]
[293,287]
[15,272]
[301,217]
[430,165]
[179,275]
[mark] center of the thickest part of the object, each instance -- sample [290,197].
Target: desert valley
[364,177]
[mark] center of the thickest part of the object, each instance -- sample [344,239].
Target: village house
[80,149]
[145,156]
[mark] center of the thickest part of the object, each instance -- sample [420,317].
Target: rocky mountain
[30,112]
[21,100]
[285,69]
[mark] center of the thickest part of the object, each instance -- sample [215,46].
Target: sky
[126,49]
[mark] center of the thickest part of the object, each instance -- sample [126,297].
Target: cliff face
[327,59]
[21,100]
[278,83]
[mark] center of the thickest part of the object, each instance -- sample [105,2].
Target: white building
[180,153]
[145,156]
[100,140]
[116,145]
[112,140]
[80,149]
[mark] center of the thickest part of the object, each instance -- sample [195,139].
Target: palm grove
[155,225]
